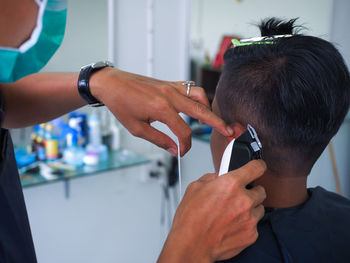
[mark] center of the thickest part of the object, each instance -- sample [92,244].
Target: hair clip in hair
[258,40]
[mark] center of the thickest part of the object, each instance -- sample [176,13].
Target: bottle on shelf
[51,143]
[33,142]
[40,149]
[115,135]
[39,142]
[73,154]
[110,131]
[77,121]
[95,151]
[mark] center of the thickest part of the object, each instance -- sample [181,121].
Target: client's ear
[238,129]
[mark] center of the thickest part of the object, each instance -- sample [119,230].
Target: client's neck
[283,191]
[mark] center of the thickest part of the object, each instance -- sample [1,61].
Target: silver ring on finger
[189,85]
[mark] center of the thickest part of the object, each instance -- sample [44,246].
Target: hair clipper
[240,151]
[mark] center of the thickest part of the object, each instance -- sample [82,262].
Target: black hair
[295,92]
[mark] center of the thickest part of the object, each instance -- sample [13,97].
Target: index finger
[249,172]
[202,113]
[196,93]
[199,108]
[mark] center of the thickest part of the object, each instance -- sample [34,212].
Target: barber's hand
[217,217]
[136,101]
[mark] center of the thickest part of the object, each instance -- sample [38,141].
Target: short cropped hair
[295,91]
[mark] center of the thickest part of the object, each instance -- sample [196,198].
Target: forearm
[39,98]
[136,101]
[178,248]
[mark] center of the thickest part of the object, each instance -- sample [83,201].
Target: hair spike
[276,26]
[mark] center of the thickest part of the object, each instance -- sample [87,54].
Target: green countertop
[117,159]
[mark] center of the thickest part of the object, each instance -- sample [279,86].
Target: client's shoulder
[329,201]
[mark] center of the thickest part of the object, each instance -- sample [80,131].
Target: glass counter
[117,159]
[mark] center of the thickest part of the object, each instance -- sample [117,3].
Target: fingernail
[229,130]
[172,151]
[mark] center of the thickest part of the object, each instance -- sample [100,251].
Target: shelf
[117,160]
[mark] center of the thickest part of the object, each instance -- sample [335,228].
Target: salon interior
[118,206]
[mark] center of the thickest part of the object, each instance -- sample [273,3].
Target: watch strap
[84,79]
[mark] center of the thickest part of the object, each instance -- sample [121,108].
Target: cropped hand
[137,101]
[217,217]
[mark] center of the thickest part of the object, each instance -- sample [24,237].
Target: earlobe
[229,139]
[238,129]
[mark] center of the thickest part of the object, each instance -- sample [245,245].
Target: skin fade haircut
[294,92]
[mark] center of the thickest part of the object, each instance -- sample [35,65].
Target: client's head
[294,91]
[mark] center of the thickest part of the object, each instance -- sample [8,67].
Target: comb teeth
[257,40]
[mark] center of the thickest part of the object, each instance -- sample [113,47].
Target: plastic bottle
[95,150]
[115,136]
[60,132]
[73,154]
[40,143]
[94,130]
[77,121]
[51,143]
[41,131]
[33,143]
[110,131]
[40,149]
[33,139]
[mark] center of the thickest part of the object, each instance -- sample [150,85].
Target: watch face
[102,64]
[99,64]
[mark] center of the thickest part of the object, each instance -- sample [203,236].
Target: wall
[212,19]
[340,34]
[170,38]
[85,40]
[322,172]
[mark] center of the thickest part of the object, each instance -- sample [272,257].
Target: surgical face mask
[33,54]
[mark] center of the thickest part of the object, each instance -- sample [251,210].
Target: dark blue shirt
[316,231]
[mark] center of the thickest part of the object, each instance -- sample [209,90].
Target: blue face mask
[33,54]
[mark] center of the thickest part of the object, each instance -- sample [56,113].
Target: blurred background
[119,207]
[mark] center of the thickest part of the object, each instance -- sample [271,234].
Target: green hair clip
[257,40]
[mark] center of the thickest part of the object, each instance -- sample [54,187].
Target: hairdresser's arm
[217,217]
[135,100]
[39,98]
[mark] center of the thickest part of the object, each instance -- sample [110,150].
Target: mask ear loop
[37,30]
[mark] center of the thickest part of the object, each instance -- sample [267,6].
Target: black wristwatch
[83,82]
